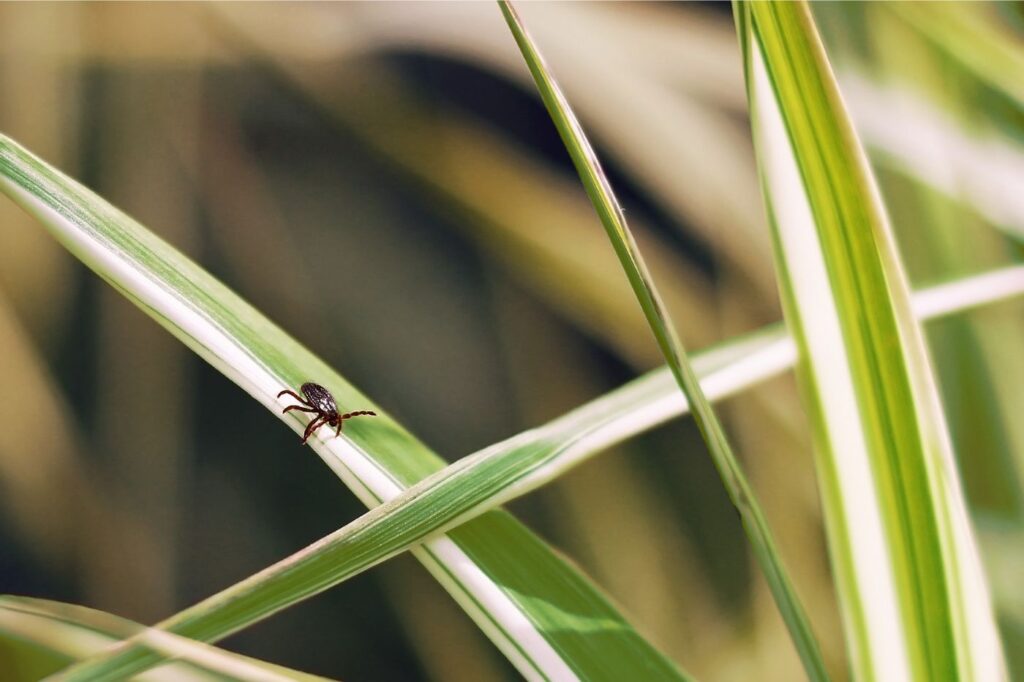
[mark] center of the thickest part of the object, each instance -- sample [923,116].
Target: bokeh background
[381,181]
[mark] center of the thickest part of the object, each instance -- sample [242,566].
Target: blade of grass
[913,597]
[542,613]
[974,292]
[77,632]
[949,158]
[514,467]
[614,221]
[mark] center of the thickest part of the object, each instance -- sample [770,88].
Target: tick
[320,402]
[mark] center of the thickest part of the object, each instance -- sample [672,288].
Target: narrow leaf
[514,467]
[614,220]
[912,593]
[77,632]
[541,612]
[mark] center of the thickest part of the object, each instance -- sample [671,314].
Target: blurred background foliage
[358,171]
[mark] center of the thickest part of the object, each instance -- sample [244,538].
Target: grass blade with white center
[614,221]
[912,593]
[68,631]
[561,626]
[512,468]
[531,459]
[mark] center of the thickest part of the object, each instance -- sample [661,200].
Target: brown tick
[320,402]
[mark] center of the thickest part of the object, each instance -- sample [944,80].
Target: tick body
[320,402]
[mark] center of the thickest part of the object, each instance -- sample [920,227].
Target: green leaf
[913,596]
[542,613]
[75,632]
[482,481]
[512,468]
[614,220]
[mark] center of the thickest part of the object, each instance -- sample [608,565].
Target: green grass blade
[510,469]
[461,491]
[614,221]
[911,589]
[76,632]
[482,481]
[542,613]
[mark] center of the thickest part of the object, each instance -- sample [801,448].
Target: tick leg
[305,407]
[360,413]
[300,408]
[349,415]
[318,421]
[294,395]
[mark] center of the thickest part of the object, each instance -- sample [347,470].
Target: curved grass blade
[913,596]
[461,491]
[522,464]
[952,162]
[75,632]
[614,221]
[543,614]
[514,467]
